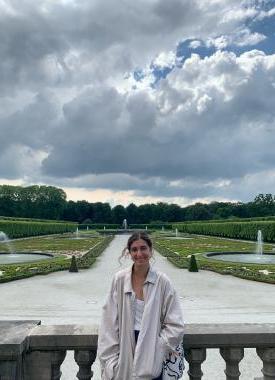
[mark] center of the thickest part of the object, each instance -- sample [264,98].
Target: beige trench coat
[161,328]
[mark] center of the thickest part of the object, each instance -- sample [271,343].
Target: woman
[142,320]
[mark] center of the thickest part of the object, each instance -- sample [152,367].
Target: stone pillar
[267,355]
[195,357]
[9,369]
[84,359]
[232,357]
[44,365]
[13,344]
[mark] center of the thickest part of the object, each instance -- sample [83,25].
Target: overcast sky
[139,101]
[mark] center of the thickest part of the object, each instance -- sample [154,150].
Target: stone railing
[31,351]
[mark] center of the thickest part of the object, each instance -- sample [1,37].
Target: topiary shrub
[73,267]
[193,267]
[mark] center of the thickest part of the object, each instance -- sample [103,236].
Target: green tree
[145,213]
[32,201]
[119,214]
[50,202]
[263,205]
[132,214]
[198,211]
[101,212]
[70,211]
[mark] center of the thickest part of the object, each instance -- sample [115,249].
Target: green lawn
[63,247]
[179,250]
[54,243]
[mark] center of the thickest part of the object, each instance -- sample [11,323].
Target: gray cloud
[55,44]
[45,43]
[213,131]
[205,127]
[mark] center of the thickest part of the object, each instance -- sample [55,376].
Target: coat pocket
[160,352]
[110,370]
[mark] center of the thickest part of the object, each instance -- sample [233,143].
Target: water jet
[13,257]
[249,258]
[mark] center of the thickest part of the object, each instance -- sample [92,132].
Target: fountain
[17,257]
[175,235]
[76,235]
[124,224]
[4,238]
[259,244]
[249,258]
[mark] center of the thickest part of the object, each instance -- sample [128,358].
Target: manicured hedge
[24,229]
[89,258]
[235,230]
[99,226]
[151,226]
[232,219]
[17,219]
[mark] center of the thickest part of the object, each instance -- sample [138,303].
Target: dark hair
[137,236]
[134,237]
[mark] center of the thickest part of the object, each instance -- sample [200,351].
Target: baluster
[195,357]
[267,355]
[44,365]
[84,359]
[57,358]
[232,357]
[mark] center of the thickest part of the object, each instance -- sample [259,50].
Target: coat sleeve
[172,326]
[108,339]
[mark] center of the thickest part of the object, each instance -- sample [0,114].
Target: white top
[139,307]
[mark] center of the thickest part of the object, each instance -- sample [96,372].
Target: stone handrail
[29,351]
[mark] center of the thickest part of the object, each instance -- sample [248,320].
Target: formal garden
[179,249]
[58,248]
[181,243]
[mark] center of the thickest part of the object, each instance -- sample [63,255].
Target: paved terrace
[207,298]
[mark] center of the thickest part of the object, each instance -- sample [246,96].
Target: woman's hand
[174,353]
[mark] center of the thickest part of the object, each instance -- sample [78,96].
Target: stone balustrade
[30,351]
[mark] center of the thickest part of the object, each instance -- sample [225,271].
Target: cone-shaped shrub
[73,267]
[193,267]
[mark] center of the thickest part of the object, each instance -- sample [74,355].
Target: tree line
[49,202]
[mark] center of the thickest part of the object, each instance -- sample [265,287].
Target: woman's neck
[141,271]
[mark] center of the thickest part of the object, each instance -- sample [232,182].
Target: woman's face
[140,252]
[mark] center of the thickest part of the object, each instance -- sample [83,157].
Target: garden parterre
[63,247]
[178,251]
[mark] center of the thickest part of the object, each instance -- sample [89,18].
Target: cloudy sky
[143,101]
